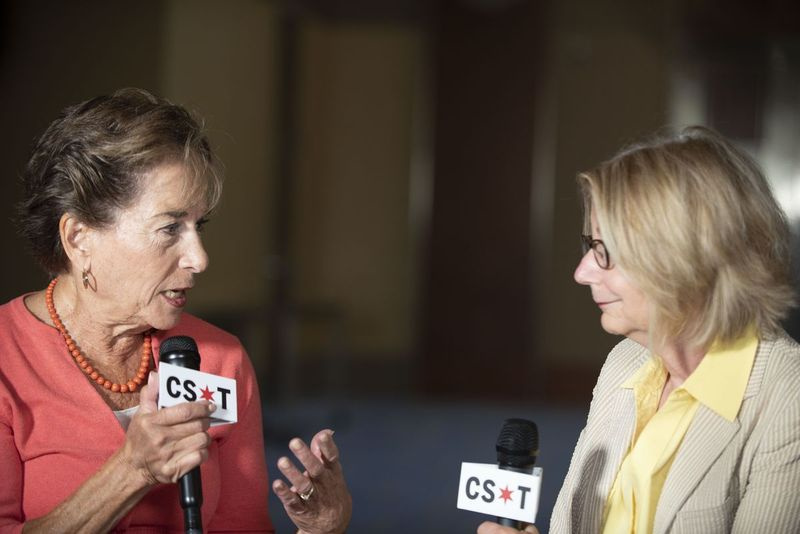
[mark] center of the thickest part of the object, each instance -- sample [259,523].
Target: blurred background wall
[400,218]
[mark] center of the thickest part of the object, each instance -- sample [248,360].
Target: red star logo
[505,494]
[207,394]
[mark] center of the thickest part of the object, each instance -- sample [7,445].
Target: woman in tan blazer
[694,426]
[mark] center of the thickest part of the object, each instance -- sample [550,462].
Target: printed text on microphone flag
[179,384]
[486,489]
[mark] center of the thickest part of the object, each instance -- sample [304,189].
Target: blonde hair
[692,220]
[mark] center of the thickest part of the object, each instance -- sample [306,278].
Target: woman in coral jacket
[117,191]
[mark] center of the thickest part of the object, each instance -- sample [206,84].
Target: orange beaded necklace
[131,386]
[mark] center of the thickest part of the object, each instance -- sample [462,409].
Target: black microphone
[182,351]
[517,448]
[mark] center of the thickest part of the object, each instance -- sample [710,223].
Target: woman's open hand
[318,501]
[163,445]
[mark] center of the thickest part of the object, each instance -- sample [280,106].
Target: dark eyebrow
[173,214]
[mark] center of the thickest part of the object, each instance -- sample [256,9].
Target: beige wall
[353,251]
[624,69]
[219,58]
[610,70]
[352,254]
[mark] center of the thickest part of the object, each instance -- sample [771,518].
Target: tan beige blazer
[741,476]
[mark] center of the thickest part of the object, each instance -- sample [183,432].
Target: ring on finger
[305,495]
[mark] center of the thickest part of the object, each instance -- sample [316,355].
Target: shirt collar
[721,378]
[719,382]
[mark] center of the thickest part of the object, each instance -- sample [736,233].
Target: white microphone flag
[179,384]
[486,489]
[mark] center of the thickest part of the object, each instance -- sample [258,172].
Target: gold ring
[305,495]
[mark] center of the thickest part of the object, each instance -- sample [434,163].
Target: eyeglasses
[599,249]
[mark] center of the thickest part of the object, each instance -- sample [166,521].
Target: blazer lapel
[707,437]
[604,455]
[705,440]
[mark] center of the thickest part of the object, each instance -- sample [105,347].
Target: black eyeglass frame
[599,249]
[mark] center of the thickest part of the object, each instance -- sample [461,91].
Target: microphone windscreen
[518,443]
[180,351]
[177,343]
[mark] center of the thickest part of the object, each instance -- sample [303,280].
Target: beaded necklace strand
[132,384]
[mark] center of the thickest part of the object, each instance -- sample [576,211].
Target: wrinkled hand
[328,506]
[163,445]
[488,527]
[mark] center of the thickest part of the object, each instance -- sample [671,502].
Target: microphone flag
[181,384]
[486,489]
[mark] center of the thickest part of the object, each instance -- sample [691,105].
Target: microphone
[517,448]
[182,352]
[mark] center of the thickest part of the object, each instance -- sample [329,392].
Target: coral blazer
[56,431]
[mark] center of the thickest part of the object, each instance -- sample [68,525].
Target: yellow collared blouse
[718,383]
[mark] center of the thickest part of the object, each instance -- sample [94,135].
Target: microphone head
[518,444]
[180,351]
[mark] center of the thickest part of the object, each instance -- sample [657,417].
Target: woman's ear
[76,240]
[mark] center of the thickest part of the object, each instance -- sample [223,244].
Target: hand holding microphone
[164,444]
[517,448]
[181,351]
[508,489]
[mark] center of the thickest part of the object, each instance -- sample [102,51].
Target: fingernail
[283,462]
[295,444]
[212,407]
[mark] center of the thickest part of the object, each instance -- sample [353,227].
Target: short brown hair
[691,218]
[89,162]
